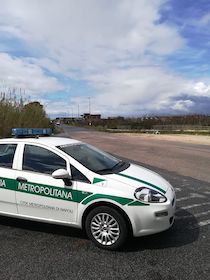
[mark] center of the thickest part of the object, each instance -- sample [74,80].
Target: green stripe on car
[120,200]
[137,203]
[98,180]
[62,193]
[43,190]
[142,181]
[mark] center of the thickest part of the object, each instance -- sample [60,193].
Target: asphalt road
[30,250]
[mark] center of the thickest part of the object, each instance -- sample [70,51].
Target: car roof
[48,141]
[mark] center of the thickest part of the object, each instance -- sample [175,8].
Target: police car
[65,181]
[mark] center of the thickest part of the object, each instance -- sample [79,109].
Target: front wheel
[106,228]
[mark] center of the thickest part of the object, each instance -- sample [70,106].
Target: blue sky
[192,20]
[131,57]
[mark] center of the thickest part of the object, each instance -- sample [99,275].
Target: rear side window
[41,160]
[7,152]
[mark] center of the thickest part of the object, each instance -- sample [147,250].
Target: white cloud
[146,89]
[90,34]
[205,20]
[183,105]
[115,46]
[18,73]
[201,89]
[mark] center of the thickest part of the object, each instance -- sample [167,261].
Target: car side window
[41,160]
[7,152]
[78,176]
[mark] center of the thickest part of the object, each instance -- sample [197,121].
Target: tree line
[15,112]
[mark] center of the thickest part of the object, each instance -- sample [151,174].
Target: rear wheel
[106,227]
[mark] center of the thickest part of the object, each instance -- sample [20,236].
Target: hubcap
[105,229]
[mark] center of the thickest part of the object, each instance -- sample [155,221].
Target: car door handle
[21,179]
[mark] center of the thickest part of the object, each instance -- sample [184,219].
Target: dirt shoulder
[194,139]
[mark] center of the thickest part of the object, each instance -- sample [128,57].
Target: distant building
[65,120]
[92,117]
[119,118]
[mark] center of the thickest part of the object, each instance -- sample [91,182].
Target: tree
[33,115]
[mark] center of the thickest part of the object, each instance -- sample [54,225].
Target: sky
[113,57]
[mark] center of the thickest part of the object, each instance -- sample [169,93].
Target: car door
[7,178]
[38,194]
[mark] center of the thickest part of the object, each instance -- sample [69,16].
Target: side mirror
[61,174]
[64,175]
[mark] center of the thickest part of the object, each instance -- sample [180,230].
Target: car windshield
[93,158]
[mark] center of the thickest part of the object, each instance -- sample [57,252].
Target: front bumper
[155,217]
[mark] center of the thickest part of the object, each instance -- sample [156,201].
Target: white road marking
[192,206]
[192,195]
[208,192]
[193,216]
[177,189]
[204,223]
[200,224]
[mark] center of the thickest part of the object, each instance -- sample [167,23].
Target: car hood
[138,176]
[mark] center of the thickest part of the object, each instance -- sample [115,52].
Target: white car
[65,181]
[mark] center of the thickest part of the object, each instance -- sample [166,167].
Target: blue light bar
[33,132]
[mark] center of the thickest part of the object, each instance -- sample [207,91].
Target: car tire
[106,227]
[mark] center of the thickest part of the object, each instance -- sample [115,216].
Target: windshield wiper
[119,164]
[116,166]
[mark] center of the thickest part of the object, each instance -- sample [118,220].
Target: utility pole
[72,113]
[89,105]
[89,111]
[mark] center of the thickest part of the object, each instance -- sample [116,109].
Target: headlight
[148,195]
